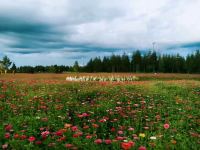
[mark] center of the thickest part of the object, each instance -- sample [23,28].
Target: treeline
[44,69]
[147,62]
[138,62]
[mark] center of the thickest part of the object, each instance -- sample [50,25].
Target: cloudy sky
[46,32]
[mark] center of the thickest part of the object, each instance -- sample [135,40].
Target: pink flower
[88,137]
[102,120]
[166,126]
[98,141]
[142,148]
[85,115]
[86,127]
[80,115]
[132,143]
[119,138]
[45,133]
[41,129]
[4,146]
[78,134]
[136,138]
[108,141]
[31,138]
[120,132]
[68,145]
[131,129]
[74,128]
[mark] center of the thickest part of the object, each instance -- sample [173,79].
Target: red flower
[166,126]
[61,139]
[98,141]
[8,127]
[95,125]
[59,133]
[38,142]
[22,137]
[142,148]
[7,135]
[127,145]
[112,129]
[77,134]
[102,120]
[31,138]
[16,136]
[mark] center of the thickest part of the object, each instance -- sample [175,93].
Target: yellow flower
[142,135]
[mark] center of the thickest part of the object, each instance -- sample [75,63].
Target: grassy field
[44,111]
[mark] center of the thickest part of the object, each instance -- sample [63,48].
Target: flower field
[52,113]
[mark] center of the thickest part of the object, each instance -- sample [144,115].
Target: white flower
[97,78]
[37,117]
[153,138]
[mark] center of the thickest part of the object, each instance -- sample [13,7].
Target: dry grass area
[62,77]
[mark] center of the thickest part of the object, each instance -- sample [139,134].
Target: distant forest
[149,62]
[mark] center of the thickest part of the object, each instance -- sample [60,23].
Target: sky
[47,32]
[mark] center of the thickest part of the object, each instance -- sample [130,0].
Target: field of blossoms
[52,113]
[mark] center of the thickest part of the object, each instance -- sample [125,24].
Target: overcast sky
[46,32]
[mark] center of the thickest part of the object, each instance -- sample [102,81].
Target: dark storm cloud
[186,45]
[30,34]
[191,45]
[16,25]
[26,51]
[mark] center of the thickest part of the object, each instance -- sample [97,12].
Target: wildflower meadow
[55,113]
